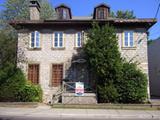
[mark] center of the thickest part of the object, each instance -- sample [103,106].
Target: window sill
[58,48]
[77,48]
[128,48]
[34,49]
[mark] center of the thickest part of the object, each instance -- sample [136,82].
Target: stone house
[52,48]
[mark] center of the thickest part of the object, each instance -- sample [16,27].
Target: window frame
[35,40]
[38,77]
[129,39]
[100,15]
[58,42]
[76,41]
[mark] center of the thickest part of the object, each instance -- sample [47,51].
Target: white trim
[35,36]
[58,42]
[129,45]
[76,44]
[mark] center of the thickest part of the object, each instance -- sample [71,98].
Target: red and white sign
[79,89]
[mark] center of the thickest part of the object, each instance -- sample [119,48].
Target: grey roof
[82,17]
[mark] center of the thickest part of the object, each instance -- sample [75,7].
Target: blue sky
[141,8]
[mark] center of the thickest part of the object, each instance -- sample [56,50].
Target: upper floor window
[79,39]
[64,14]
[100,13]
[128,39]
[58,39]
[35,39]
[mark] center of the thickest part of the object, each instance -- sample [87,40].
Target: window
[79,39]
[128,39]
[64,14]
[35,40]
[57,74]
[100,13]
[33,73]
[58,39]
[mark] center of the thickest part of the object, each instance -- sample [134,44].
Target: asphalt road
[48,118]
[48,113]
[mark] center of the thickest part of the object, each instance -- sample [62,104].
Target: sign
[79,89]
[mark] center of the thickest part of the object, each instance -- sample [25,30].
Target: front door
[57,74]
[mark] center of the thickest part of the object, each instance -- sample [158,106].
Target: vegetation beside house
[118,81]
[13,84]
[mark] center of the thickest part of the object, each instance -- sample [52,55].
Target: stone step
[87,98]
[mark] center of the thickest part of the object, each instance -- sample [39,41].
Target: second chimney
[34,9]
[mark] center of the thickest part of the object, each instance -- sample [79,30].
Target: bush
[107,93]
[30,93]
[12,80]
[14,88]
[132,87]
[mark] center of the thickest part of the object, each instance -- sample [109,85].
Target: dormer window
[101,11]
[63,12]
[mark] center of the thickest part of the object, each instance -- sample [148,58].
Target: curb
[19,104]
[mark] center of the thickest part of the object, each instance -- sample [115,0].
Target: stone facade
[46,55]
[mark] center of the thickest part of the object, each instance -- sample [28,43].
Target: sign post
[79,89]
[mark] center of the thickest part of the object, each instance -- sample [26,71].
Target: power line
[157,11]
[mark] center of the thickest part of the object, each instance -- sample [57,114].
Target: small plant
[30,93]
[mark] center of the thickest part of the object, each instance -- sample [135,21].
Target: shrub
[132,87]
[30,93]
[12,80]
[107,93]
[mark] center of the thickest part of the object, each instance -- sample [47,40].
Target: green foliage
[123,14]
[101,44]
[107,93]
[14,88]
[30,93]
[12,80]
[117,80]
[19,10]
[133,86]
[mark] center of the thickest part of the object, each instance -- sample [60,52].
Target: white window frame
[129,45]
[35,38]
[58,46]
[76,41]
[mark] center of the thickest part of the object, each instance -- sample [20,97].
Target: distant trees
[123,14]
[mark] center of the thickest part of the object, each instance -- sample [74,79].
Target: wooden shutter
[33,73]
[57,74]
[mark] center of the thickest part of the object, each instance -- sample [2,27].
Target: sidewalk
[48,112]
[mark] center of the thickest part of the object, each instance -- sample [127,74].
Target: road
[48,113]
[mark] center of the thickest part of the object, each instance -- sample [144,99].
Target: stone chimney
[34,9]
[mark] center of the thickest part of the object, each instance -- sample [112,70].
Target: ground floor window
[57,74]
[33,73]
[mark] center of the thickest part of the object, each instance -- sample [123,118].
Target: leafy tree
[123,14]
[19,10]
[103,56]
[117,80]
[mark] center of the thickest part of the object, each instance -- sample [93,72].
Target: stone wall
[46,56]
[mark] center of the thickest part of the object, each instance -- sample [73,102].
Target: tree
[123,14]
[19,10]
[117,80]
[103,57]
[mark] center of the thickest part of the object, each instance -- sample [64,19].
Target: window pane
[79,40]
[60,39]
[131,39]
[64,14]
[126,39]
[32,39]
[56,39]
[37,39]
